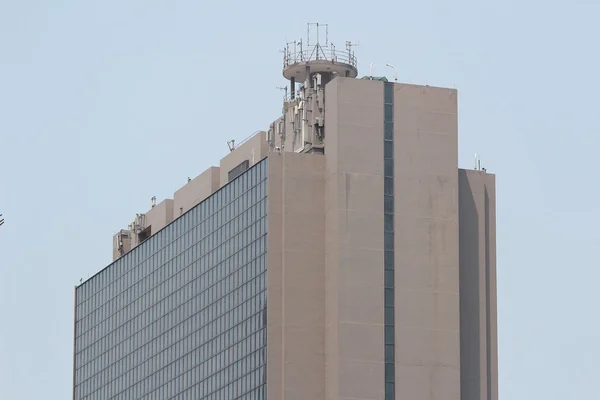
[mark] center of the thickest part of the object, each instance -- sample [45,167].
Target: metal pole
[395,71]
[293,87]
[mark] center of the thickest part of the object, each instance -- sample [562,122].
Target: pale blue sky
[104,104]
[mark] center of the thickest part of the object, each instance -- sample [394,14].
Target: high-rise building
[341,254]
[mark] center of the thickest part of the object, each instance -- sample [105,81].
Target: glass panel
[389,335]
[389,223]
[389,297]
[388,130]
[390,372]
[389,316]
[390,391]
[389,278]
[388,169]
[388,185]
[388,204]
[388,257]
[388,112]
[388,93]
[389,240]
[389,353]
[388,149]
[163,322]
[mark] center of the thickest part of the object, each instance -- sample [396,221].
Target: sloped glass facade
[183,315]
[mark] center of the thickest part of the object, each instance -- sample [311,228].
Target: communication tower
[311,64]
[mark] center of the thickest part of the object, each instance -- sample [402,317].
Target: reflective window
[388,208]
[183,315]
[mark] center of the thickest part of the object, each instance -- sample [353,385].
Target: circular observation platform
[342,63]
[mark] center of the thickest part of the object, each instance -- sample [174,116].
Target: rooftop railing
[294,55]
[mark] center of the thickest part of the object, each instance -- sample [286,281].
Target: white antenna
[477,162]
[395,71]
[153,200]
[371,70]
[285,89]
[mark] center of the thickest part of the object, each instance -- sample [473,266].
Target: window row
[190,250]
[388,167]
[209,339]
[215,372]
[203,308]
[190,282]
[252,178]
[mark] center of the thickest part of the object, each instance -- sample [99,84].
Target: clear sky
[104,104]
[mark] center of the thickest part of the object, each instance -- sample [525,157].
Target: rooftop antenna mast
[285,89]
[231,144]
[318,26]
[477,162]
[314,65]
[349,46]
[318,52]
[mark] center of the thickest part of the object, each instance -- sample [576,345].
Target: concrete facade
[478,301]
[196,190]
[427,259]
[325,252]
[253,149]
[296,277]
[354,242]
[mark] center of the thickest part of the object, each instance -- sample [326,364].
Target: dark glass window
[388,112]
[389,241]
[388,185]
[389,335]
[238,170]
[389,278]
[388,205]
[388,260]
[388,94]
[390,372]
[388,220]
[389,316]
[389,353]
[388,170]
[390,391]
[389,297]
[388,149]
[388,130]
[166,318]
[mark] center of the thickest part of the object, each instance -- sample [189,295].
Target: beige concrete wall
[354,243]
[296,277]
[196,190]
[158,217]
[478,305]
[426,243]
[254,149]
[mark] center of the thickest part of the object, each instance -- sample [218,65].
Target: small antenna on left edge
[231,144]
